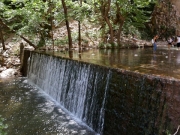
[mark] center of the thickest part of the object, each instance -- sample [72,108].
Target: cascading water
[79,87]
[111,101]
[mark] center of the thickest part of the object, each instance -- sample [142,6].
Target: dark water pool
[25,110]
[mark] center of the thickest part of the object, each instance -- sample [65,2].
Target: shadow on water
[25,110]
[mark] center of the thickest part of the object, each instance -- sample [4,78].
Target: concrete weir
[112,101]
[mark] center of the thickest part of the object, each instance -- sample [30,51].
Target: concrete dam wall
[110,101]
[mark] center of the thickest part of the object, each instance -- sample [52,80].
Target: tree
[35,20]
[1,27]
[2,38]
[30,20]
[79,23]
[78,11]
[67,24]
[118,13]
[164,19]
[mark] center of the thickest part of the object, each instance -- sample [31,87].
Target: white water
[79,87]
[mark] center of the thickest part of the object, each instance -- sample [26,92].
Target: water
[79,87]
[108,89]
[105,99]
[164,62]
[27,110]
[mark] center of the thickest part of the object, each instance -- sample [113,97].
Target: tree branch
[25,39]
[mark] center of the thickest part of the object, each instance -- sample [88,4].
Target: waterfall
[79,87]
[110,101]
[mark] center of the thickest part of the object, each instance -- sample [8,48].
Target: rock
[8,73]
[1,50]
[2,69]
[6,54]
[8,64]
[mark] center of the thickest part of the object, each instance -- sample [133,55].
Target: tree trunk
[2,39]
[50,19]
[52,34]
[103,33]
[79,24]
[120,20]
[107,20]
[67,24]
[119,34]
[110,30]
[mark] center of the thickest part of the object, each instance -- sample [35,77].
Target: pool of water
[162,62]
[26,110]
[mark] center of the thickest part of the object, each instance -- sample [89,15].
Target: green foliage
[107,45]
[2,126]
[36,18]
[130,29]
[79,12]
[102,45]
[61,42]
[2,6]
[135,12]
[33,19]
[130,14]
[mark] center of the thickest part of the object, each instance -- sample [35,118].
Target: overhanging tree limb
[25,39]
[29,42]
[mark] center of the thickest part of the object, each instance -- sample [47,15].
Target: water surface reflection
[163,62]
